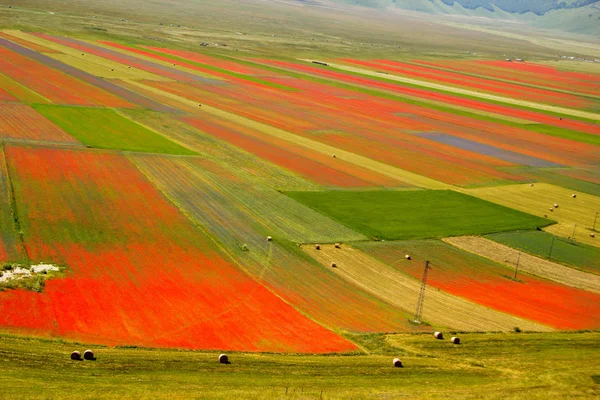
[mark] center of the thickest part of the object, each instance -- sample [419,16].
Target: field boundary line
[497,79]
[528,263]
[402,291]
[230,256]
[68,54]
[13,205]
[367,163]
[466,92]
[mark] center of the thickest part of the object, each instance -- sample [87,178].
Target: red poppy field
[485,282]
[165,248]
[54,85]
[139,272]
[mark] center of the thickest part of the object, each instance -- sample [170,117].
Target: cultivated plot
[416,214]
[141,273]
[490,284]
[11,249]
[106,129]
[575,214]
[19,121]
[441,309]
[527,263]
[246,166]
[228,209]
[57,84]
[554,248]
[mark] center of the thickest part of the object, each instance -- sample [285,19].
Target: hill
[578,16]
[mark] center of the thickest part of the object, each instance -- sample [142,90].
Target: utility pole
[551,246]
[419,312]
[595,218]
[517,266]
[573,235]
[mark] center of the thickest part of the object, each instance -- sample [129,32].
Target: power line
[419,311]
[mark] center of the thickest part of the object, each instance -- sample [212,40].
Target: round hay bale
[551,209]
[338,245]
[76,356]
[333,265]
[555,205]
[269,238]
[455,340]
[88,355]
[223,359]
[317,246]
[592,235]
[573,195]
[407,256]
[531,184]
[397,363]
[333,156]
[438,335]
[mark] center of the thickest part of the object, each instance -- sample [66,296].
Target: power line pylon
[419,312]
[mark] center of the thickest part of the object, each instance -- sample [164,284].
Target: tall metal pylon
[419,312]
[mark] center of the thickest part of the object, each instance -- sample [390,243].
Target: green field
[105,129]
[564,251]
[416,214]
[557,365]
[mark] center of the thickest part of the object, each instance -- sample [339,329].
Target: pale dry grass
[440,308]
[527,263]
[572,214]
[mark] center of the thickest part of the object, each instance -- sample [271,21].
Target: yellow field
[90,63]
[471,93]
[154,60]
[571,214]
[20,92]
[440,308]
[527,263]
[367,163]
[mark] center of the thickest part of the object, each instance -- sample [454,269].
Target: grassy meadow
[416,214]
[493,365]
[106,129]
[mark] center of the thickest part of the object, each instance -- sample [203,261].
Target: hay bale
[223,359]
[531,184]
[555,205]
[333,265]
[269,238]
[338,245]
[573,195]
[76,356]
[333,156]
[592,235]
[455,340]
[397,363]
[407,256]
[438,335]
[317,246]
[551,209]
[88,355]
